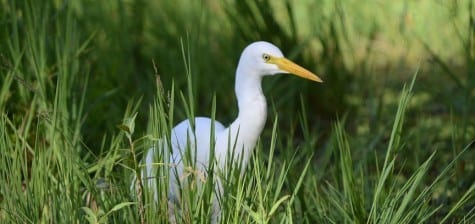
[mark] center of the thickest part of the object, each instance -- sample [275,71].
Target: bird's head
[263,58]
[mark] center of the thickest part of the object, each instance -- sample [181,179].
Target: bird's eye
[266,57]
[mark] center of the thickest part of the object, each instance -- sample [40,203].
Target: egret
[238,140]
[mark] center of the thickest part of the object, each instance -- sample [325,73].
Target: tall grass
[43,175]
[86,88]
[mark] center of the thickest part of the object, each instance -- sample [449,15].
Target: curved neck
[244,132]
[252,108]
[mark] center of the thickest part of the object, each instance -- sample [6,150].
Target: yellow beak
[290,67]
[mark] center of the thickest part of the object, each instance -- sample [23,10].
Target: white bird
[238,140]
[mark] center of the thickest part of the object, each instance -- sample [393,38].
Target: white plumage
[257,60]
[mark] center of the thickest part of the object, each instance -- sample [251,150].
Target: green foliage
[86,87]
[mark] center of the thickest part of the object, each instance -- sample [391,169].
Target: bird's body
[238,139]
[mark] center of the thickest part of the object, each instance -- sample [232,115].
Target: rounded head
[263,58]
[256,56]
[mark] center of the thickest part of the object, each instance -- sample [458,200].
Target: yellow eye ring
[266,57]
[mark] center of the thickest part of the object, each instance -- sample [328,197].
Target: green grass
[87,87]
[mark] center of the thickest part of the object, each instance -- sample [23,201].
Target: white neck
[245,130]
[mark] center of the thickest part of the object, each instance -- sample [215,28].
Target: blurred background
[365,51]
